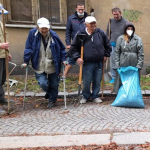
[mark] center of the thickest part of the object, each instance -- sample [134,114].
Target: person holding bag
[129,52]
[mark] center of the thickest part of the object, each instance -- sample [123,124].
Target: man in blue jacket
[96,49]
[46,52]
[74,24]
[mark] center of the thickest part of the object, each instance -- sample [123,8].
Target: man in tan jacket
[3,47]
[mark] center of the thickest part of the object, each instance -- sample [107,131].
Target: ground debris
[111,146]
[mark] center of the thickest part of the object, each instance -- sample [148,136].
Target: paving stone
[40,94]
[147,92]
[10,93]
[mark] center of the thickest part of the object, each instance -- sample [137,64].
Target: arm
[28,48]
[75,48]
[117,53]
[68,33]
[107,45]
[140,54]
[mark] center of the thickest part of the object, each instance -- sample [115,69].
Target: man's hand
[80,61]
[9,57]
[105,58]
[24,65]
[68,46]
[4,45]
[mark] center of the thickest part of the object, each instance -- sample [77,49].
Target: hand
[24,65]
[9,57]
[4,45]
[68,46]
[80,61]
[105,58]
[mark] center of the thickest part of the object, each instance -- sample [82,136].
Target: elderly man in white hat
[46,52]
[96,49]
[3,46]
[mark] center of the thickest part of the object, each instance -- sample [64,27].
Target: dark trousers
[2,76]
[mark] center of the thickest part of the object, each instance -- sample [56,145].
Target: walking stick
[81,37]
[25,86]
[6,60]
[103,79]
[64,80]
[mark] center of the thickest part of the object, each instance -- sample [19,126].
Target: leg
[2,79]
[71,63]
[97,77]
[53,87]
[67,69]
[87,79]
[43,81]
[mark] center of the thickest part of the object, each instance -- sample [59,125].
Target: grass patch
[71,84]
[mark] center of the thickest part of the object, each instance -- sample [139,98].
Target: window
[21,10]
[28,11]
[50,9]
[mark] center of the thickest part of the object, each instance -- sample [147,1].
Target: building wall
[136,11]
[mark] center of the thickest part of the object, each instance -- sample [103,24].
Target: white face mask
[129,32]
[80,14]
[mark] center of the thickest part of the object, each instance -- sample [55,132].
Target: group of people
[47,53]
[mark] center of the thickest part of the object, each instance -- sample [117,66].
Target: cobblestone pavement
[87,118]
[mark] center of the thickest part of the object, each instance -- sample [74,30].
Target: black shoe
[51,104]
[46,96]
[3,101]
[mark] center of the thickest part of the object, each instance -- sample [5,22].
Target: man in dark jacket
[96,49]
[74,24]
[47,52]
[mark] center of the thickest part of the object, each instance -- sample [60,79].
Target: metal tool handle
[64,86]
[25,87]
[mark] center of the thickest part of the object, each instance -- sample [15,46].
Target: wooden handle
[81,66]
[6,60]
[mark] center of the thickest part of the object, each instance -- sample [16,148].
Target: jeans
[2,76]
[112,63]
[49,83]
[71,61]
[92,73]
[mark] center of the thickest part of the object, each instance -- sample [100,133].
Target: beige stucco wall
[137,11]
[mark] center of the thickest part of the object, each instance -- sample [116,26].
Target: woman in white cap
[46,52]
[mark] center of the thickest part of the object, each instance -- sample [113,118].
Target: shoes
[46,96]
[112,81]
[83,100]
[3,101]
[51,104]
[97,100]
[2,112]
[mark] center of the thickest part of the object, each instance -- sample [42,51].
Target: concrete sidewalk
[71,140]
[69,94]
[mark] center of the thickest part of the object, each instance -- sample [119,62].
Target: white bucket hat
[43,23]
[90,19]
[2,8]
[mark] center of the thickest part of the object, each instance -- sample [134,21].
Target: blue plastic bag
[129,94]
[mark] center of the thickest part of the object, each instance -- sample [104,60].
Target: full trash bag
[129,94]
